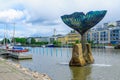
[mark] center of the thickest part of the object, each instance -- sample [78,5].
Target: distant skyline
[40,17]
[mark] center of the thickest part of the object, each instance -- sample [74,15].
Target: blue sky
[42,16]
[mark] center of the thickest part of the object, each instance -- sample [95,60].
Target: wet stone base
[79,58]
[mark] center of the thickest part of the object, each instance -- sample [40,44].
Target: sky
[40,17]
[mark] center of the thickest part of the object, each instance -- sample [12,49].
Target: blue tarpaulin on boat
[18,48]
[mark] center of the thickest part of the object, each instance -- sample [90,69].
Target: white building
[105,34]
[39,39]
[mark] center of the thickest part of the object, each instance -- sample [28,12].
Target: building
[62,39]
[118,23]
[70,38]
[39,39]
[105,34]
[115,35]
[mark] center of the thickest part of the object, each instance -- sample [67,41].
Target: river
[55,63]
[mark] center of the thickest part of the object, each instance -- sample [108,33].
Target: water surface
[54,62]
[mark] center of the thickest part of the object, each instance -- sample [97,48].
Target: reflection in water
[80,73]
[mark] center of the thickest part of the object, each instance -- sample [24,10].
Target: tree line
[24,42]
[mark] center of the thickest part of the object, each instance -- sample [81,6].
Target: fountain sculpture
[81,22]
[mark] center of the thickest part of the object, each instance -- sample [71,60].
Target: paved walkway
[9,72]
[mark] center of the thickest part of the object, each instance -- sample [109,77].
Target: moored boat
[18,49]
[117,46]
[109,47]
[50,45]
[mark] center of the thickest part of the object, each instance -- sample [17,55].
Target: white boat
[43,46]
[112,47]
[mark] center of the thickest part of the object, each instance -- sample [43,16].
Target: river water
[55,63]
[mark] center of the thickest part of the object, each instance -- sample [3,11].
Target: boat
[50,45]
[117,46]
[18,49]
[112,47]
[43,46]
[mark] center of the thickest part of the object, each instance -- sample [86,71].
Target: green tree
[33,41]
[91,42]
[41,43]
[111,25]
[5,40]
[57,43]
[20,40]
[23,40]
[77,41]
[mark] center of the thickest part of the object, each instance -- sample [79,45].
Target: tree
[41,43]
[77,41]
[33,41]
[111,25]
[91,42]
[20,40]
[5,40]
[23,40]
[57,43]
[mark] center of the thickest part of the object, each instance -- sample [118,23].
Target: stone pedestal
[88,54]
[79,58]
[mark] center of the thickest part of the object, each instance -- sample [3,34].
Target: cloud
[40,16]
[53,9]
[11,15]
[46,12]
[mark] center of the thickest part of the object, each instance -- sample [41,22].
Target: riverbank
[13,71]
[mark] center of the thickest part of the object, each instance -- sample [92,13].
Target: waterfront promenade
[12,71]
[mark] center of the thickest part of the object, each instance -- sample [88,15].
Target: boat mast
[13,34]
[4,35]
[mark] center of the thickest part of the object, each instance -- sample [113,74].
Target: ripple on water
[63,63]
[101,65]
